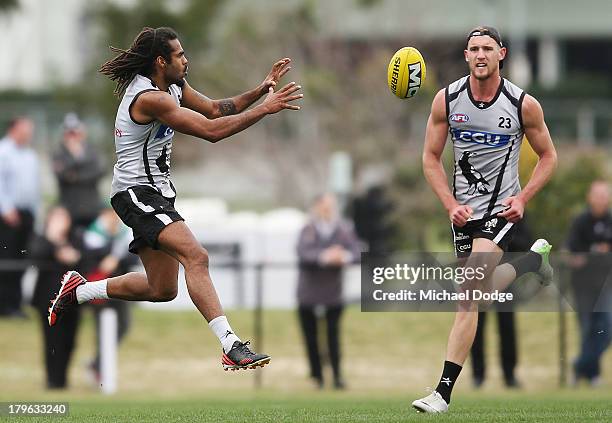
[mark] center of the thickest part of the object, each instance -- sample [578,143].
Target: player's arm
[214,109]
[435,140]
[161,106]
[538,137]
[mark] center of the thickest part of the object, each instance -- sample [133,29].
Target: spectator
[78,169]
[105,251]
[373,223]
[521,242]
[591,232]
[19,201]
[326,245]
[56,253]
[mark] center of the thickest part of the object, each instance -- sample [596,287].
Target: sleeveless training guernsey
[143,150]
[486,138]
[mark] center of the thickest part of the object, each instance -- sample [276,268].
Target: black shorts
[147,212]
[497,229]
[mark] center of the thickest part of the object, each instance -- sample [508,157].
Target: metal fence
[239,267]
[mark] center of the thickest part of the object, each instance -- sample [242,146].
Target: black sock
[447,381]
[529,262]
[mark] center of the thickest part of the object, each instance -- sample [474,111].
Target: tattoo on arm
[227,107]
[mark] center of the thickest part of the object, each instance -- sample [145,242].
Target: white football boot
[432,403]
[546,272]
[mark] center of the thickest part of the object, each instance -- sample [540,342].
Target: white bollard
[108,351]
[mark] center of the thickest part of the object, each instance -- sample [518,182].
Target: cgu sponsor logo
[415,79]
[163,132]
[459,117]
[480,137]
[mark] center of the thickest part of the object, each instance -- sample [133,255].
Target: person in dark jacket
[591,232]
[326,245]
[55,252]
[78,168]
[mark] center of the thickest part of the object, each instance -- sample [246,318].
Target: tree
[117,25]
[8,5]
[552,209]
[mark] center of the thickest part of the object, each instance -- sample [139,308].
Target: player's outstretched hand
[460,214]
[281,99]
[278,70]
[514,211]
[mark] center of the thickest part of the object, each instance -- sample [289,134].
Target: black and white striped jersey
[486,138]
[143,150]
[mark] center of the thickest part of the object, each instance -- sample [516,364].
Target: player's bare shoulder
[531,112]
[150,105]
[536,129]
[438,107]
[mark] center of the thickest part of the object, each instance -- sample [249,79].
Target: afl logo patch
[459,117]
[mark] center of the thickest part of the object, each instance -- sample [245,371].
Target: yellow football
[406,72]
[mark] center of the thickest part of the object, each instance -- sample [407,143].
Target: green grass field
[169,371]
[275,407]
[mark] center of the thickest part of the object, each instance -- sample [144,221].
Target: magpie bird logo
[476,182]
[447,381]
[490,225]
[228,333]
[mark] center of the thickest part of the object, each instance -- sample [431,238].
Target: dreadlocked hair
[140,58]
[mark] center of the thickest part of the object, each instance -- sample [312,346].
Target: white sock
[92,291]
[220,326]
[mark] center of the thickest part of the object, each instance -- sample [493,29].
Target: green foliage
[8,5]
[576,86]
[421,220]
[552,210]
[118,26]
[366,4]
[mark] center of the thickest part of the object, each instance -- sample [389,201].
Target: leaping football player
[156,101]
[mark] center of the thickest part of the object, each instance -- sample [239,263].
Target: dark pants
[309,325]
[13,246]
[507,339]
[58,346]
[595,338]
